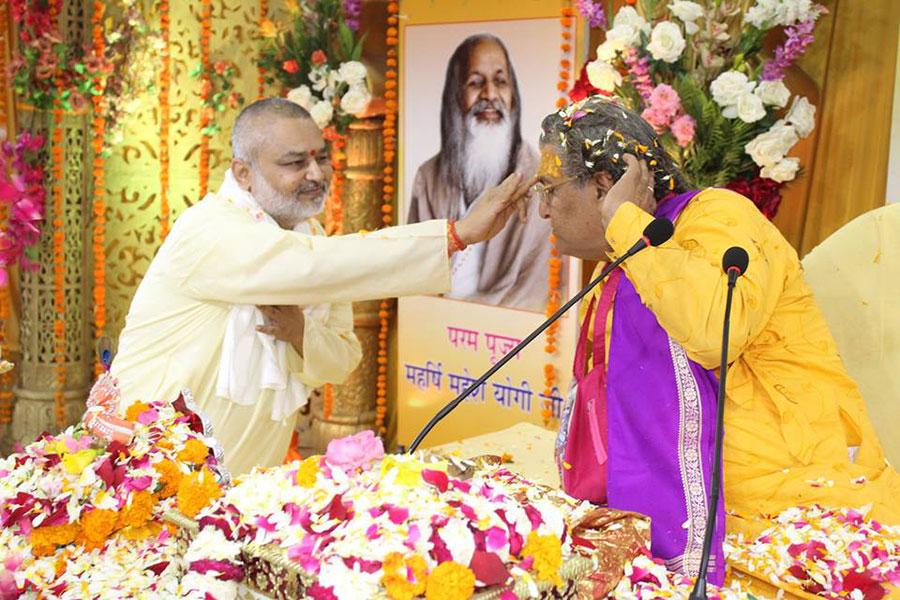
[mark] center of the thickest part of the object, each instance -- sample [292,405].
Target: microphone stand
[649,238]
[699,591]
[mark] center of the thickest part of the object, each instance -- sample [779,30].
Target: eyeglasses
[543,189]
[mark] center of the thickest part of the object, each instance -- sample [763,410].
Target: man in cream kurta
[218,256]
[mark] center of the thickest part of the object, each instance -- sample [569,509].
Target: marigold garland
[260,71]
[389,146]
[99,234]
[165,78]
[6,395]
[334,212]
[554,267]
[205,89]
[59,257]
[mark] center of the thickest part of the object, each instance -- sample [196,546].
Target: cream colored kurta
[217,256]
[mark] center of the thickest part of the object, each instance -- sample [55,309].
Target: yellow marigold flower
[308,472]
[196,491]
[44,540]
[96,527]
[135,410]
[397,572]
[546,550]
[292,6]
[450,581]
[77,462]
[267,29]
[139,534]
[194,452]
[409,470]
[139,511]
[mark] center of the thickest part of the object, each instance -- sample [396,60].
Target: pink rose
[658,120]
[664,99]
[683,130]
[355,451]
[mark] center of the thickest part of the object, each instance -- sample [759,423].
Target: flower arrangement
[22,190]
[695,71]
[79,513]
[360,524]
[832,553]
[217,92]
[45,69]
[317,59]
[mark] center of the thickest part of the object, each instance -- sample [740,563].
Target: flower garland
[334,207]
[260,70]
[205,92]
[554,266]
[99,234]
[59,241]
[165,78]
[389,145]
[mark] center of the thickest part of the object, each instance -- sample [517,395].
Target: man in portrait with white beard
[481,144]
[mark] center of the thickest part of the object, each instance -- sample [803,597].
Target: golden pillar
[353,408]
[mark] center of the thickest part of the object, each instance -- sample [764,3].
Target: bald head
[250,127]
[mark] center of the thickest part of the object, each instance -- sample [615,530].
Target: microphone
[657,232]
[734,263]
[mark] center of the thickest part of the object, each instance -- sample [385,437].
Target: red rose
[764,193]
[291,66]
[318,57]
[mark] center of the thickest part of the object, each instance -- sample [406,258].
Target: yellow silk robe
[216,256]
[791,410]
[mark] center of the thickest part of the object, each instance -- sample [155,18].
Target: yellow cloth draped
[791,409]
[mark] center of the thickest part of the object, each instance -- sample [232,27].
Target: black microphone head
[658,231]
[735,258]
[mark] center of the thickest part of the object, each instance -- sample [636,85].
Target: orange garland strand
[165,78]
[6,395]
[99,237]
[335,225]
[389,138]
[206,115]
[554,266]
[260,71]
[59,258]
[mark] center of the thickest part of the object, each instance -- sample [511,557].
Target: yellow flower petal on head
[78,462]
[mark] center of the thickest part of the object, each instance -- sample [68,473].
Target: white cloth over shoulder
[252,361]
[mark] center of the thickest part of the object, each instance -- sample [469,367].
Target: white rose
[666,42]
[750,108]
[353,72]
[603,76]
[784,170]
[319,77]
[773,93]
[608,50]
[768,148]
[628,26]
[356,99]
[321,113]
[687,11]
[728,87]
[802,116]
[302,96]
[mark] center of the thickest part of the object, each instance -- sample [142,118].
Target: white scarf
[252,361]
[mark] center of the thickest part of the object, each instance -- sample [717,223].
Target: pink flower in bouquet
[658,119]
[683,130]
[664,99]
[355,451]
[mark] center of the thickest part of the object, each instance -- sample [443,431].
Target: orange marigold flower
[45,540]
[404,579]
[196,491]
[139,511]
[194,452]
[308,472]
[96,527]
[169,476]
[146,531]
[450,581]
[135,410]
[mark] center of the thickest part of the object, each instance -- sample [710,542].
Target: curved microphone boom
[734,263]
[657,232]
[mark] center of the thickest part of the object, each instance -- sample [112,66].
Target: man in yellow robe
[193,321]
[796,428]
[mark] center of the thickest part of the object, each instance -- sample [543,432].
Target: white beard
[486,154]
[288,211]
